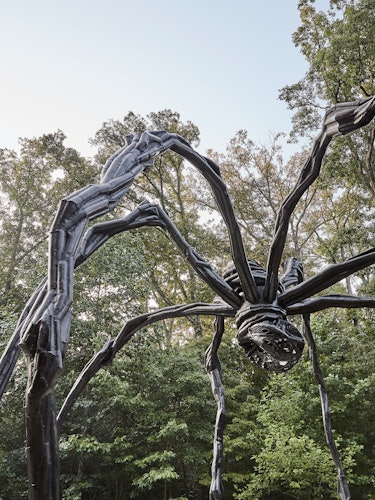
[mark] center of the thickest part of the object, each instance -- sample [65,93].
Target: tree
[339,47]
[142,435]
[340,50]
[259,180]
[32,183]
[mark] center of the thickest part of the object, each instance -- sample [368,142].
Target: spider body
[268,339]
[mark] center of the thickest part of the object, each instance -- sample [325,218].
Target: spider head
[268,339]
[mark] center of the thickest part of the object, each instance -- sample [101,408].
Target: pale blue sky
[73,64]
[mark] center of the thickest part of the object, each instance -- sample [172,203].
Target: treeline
[143,428]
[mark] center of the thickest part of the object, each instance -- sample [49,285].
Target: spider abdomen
[270,341]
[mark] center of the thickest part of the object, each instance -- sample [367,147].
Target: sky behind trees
[73,65]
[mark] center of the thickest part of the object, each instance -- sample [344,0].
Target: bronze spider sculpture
[257,298]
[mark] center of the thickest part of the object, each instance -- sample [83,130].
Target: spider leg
[211,172]
[44,335]
[110,349]
[293,273]
[343,489]
[329,276]
[92,201]
[67,230]
[332,300]
[339,120]
[95,200]
[213,369]
[162,141]
[150,214]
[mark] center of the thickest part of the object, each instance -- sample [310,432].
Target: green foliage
[340,50]
[141,428]
[13,474]
[32,183]
[339,47]
[284,441]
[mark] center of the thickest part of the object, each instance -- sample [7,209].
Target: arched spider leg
[74,213]
[343,489]
[151,214]
[339,120]
[327,277]
[213,369]
[211,172]
[110,349]
[45,333]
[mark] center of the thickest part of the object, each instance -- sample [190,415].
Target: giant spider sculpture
[257,298]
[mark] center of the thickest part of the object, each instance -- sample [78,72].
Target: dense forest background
[143,428]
